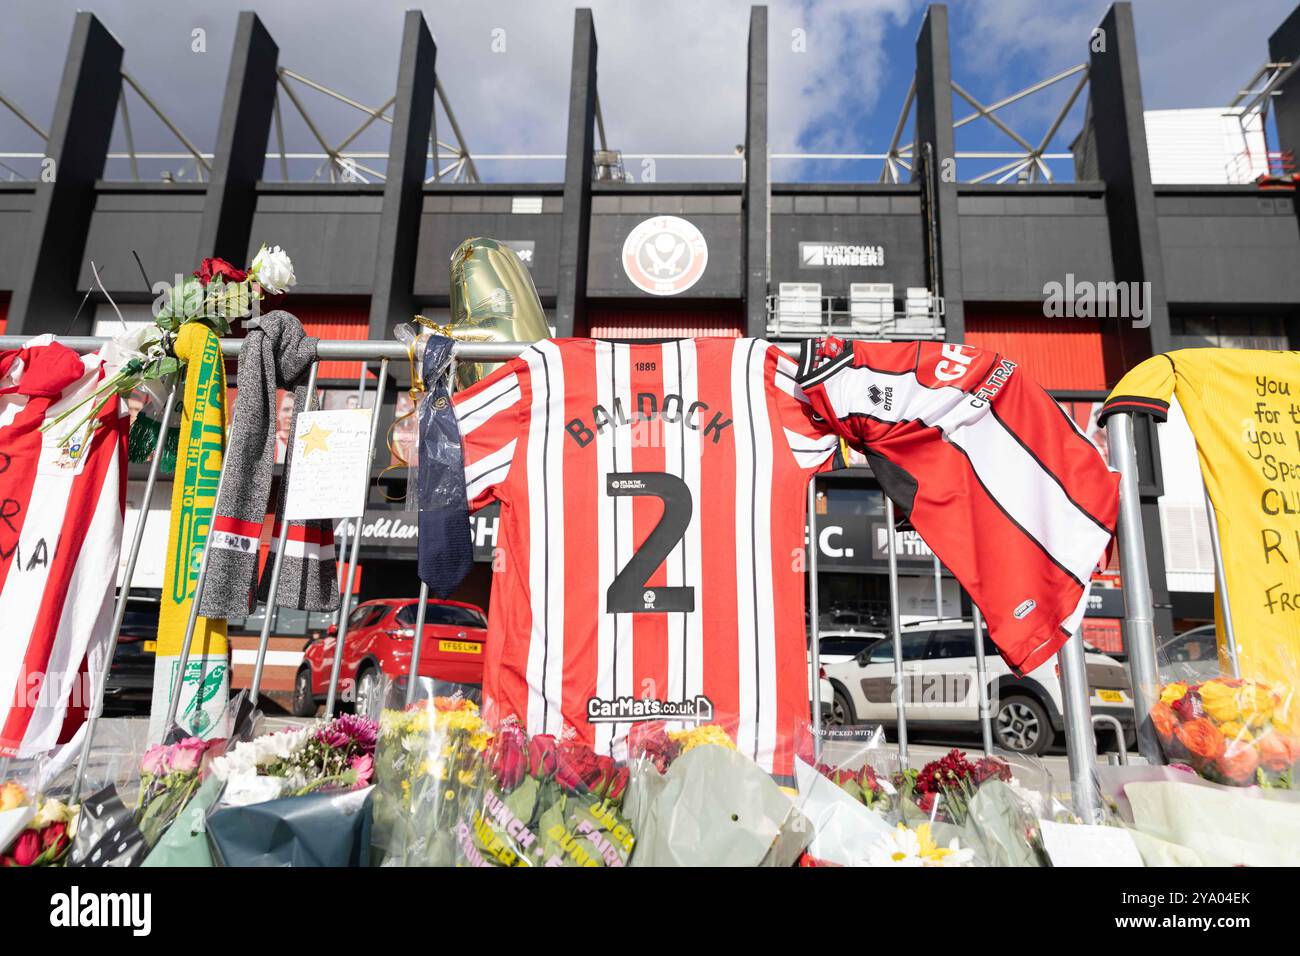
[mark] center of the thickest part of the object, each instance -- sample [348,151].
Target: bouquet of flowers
[46,839]
[904,846]
[215,294]
[169,775]
[864,785]
[1230,731]
[428,765]
[546,803]
[333,755]
[947,785]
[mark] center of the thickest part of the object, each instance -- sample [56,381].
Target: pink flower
[186,756]
[154,761]
[364,765]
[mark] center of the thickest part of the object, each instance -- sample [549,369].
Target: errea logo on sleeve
[75,909]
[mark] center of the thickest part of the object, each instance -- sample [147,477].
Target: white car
[837,646]
[939,674]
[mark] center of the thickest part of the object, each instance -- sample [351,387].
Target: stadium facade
[1076,280]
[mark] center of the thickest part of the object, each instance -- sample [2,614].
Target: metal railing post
[982,680]
[346,600]
[814,630]
[1080,742]
[896,631]
[1221,584]
[119,612]
[938,590]
[269,615]
[1139,614]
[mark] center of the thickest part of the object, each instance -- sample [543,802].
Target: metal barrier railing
[1077,712]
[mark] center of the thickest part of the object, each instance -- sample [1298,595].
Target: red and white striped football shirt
[61,512]
[993,474]
[650,561]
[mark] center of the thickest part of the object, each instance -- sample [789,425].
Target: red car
[379,642]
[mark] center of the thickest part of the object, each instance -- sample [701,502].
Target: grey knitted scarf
[276,354]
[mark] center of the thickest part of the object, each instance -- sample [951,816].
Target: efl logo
[77,909]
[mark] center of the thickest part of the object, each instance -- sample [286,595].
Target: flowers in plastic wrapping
[949,783]
[328,755]
[908,847]
[216,294]
[169,777]
[546,802]
[47,837]
[1228,730]
[428,761]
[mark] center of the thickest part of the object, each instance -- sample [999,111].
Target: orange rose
[1201,738]
[1278,752]
[1164,720]
[1237,763]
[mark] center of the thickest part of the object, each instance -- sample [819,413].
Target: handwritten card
[330,470]
[1070,844]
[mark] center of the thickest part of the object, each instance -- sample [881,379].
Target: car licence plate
[151,647]
[460,647]
[1111,696]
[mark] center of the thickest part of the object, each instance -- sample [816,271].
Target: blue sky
[672,73]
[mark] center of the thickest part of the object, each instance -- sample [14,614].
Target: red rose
[55,835]
[213,268]
[867,778]
[508,760]
[26,849]
[614,793]
[1189,706]
[575,765]
[541,756]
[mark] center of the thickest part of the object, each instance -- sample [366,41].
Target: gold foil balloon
[493,299]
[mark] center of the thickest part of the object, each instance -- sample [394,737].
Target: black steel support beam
[575,220]
[1120,127]
[939,165]
[757,178]
[45,293]
[1284,47]
[393,298]
[242,133]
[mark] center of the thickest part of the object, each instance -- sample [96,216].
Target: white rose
[274,270]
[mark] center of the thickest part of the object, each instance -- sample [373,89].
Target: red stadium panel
[336,322]
[681,323]
[1060,354]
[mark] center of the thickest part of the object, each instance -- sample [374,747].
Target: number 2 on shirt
[630,591]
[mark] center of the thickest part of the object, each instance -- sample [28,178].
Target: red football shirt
[651,546]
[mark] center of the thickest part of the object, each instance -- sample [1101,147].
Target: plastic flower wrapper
[695,800]
[325,755]
[428,767]
[34,831]
[322,829]
[546,802]
[1236,731]
[106,834]
[1179,818]
[169,777]
[186,843]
